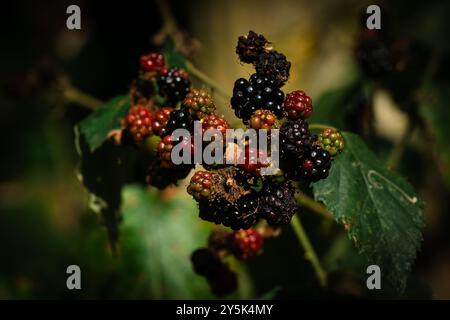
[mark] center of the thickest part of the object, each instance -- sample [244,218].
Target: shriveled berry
[251,46]
[275,65]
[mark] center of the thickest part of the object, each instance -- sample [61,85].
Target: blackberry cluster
[180,119]
[277,202]
[275,65]
[259,92]
[250,47]
[174,85]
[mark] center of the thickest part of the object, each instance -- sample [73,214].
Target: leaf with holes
[380,209]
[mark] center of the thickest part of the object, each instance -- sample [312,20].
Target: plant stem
[313,205]
[310,254]
[398,150]
[72,94]
[320,126]
[207,80]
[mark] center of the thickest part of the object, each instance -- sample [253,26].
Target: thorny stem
[310,254]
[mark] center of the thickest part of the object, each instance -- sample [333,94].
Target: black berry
[275,65]
[174,85]
[277,202]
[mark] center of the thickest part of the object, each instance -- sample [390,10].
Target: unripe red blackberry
[263,119]
[297,105]
[199,102]
[161,117]
[215,121]
[164,150]
[174,85]
[246,243]
[152,62]
[252,160]
[331,140]
[201,185]
[138,122]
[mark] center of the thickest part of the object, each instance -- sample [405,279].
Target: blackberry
[223,281]
[199,102]
[295,138]
[242,214]
[373,54]
[161,177]
[331,140]
[297,105]
[214,121]
[142,90]
[277,202]
[252,160]
[138,122]
[180,119]
[201,185]
[165,146]
[161,118]
[250,47]
[246,243]
[219,240]
[205,262]
[174,85]
[259,92]
[275,65]
[263,119]
[315,164]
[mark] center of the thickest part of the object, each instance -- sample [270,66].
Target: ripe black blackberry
[277,202]
[161,177]
[242,214]
[295,138]
[275,65]
[250,47]
[315,164]
[259,92]
[174,85]
[180,119]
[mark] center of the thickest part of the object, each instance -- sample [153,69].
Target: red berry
[214,121]
[307,165]
[199,102]
[252,160]
[152,62]
[246,243]
[263,119]
[166,145]
[201,185]
[161,117]
[139,122]
[297,105]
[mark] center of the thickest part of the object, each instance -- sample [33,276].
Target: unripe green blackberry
[201,185]
[331,140]
[199,102]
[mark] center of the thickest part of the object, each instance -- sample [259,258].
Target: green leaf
[174,58]
[166,232]
[334,107]
[382,211]
[436,113]
[96,126]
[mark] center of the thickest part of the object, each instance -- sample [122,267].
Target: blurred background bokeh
[45,220]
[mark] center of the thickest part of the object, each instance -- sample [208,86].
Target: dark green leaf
[95,127]
[166,232]
[174,58]
[382,211]
[437,116]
